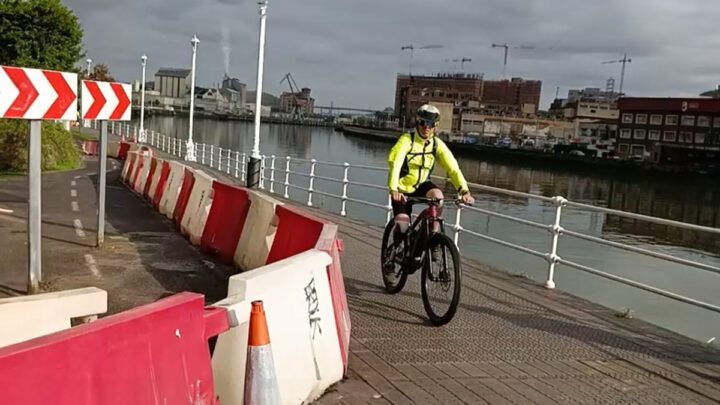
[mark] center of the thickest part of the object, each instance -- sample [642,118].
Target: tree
[39,34]
[101,73]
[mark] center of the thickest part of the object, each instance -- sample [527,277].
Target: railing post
[272,173]
[212,150]
[220,159]
[287,176]
[262,173]
[343,212]
[312,182]
[457,226]
[228,161]
[389,209]
[202,156]
[242,166]
[556,230]
[237,164]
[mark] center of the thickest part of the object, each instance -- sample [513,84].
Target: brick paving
[511,342]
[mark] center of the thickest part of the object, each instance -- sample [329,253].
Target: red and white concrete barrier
[184,195]
[226,220]
[113,149]
[172,188]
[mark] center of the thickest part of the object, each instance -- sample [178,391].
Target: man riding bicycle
[412,161]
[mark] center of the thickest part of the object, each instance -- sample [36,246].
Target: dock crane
[462,62]
[507,47]
[294,91]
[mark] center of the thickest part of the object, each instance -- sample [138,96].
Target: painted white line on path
[73,193]
[90,261]
[79,231]
[73,183]
[75,206]
[5,211]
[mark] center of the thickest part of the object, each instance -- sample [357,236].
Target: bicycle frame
[419,233]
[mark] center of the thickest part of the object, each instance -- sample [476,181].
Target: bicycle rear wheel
[391,260]
[441,280]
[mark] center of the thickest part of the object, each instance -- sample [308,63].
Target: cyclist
[412,161]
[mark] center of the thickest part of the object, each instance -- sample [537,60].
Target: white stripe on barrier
[172,189]
[28,317]
[130,157]
[113,149]
[155,179]
[301,322]
[198,207]
[144,172]
[258,233]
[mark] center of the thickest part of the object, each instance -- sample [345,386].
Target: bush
[59,152]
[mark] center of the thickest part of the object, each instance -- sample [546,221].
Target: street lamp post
[143,137]
[253,169]
[190,153]
[89,65]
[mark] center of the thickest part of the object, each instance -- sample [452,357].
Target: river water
[688,199]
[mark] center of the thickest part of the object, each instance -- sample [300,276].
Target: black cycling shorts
[421,191]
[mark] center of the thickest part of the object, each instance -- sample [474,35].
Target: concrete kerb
[28,317]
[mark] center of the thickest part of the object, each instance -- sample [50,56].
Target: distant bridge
[319,108]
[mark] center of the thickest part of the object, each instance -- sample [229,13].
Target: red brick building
[669,130]
[511,97]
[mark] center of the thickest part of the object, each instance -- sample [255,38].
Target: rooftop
[173,72]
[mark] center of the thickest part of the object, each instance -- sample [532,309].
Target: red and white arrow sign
[105,101]
[37,94]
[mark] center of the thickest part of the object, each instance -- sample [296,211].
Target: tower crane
[625,60]
[461,60]
[507,47]
[412,49]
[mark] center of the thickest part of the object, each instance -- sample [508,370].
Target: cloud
[349,52]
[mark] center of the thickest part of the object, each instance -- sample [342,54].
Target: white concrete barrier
[134,147]
[258,233]
[198,207]
[28,317]
[113,149]
[144,172]
[131,158]
[155,179]
[172,189]
[301,322]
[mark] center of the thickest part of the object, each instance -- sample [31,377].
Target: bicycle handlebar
[428,200]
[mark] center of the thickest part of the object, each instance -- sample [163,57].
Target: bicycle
[414,250]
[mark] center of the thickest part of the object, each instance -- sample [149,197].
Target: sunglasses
[426,123]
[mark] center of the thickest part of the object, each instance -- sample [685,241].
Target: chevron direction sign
[105,101]
[37,94]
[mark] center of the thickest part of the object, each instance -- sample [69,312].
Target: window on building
[654,135]
[625,133]
[656,119]
[623,148]
[700,138]
[671,120]
[688,121]
[716,123]
[627,118]
[637,150]
[686,137]
[703,121]
[639,134]
[669,136]
[641,119]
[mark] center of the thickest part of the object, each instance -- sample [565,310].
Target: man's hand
[467,198]
[398,197]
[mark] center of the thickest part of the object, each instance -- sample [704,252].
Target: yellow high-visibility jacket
[412,160]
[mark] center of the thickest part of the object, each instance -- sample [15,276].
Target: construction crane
[461,60]
[412,49]
[294,91]
[625,60]
[507,47]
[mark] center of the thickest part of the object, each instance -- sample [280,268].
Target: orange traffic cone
[261,386]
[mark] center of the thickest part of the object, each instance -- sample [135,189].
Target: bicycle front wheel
[441,279]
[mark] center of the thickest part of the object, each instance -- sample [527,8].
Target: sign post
[104,101]
[36,95]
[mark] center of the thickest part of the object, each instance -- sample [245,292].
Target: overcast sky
[348,51]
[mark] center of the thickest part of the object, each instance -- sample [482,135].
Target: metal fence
[276,173]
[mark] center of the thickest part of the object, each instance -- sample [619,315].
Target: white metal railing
[282,170]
